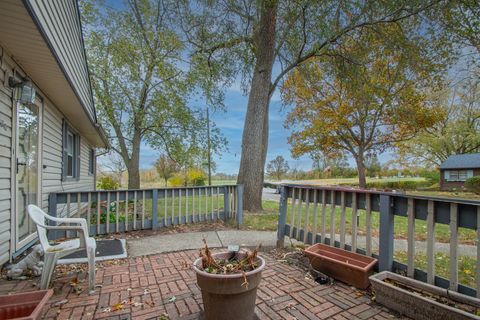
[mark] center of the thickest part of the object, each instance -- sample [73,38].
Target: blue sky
[230,122]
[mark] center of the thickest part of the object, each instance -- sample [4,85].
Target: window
[91,161]
[71,153]
[458,175]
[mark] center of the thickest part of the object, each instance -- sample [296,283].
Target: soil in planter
[237,262]
[443,300]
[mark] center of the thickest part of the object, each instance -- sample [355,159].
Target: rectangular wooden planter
[343,265]
[24,306]
[414,303]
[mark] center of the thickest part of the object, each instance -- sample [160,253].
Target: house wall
[51,138]
[449,185]
[60,22]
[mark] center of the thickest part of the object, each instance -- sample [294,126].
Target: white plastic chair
[54,252]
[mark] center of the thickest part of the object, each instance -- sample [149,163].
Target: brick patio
[164,284]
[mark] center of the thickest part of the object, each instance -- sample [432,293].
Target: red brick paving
[149,283]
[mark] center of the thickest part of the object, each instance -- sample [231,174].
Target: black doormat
[106,250]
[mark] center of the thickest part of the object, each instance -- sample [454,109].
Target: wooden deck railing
[308,214]
[126,210]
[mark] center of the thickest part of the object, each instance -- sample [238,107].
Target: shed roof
[462,161]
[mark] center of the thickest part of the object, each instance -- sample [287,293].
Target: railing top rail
[388,193]
[148,189]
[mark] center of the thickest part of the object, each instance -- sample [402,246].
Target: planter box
[343,265]
[24,306]
[224,296]
[405,298]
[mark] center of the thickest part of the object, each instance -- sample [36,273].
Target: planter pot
[223,295]
[346,266]
[24,306]
[409,297]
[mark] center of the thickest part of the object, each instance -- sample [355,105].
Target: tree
[372,165]
[112,163]
[249,37]
[364,98]
[458,133]
[137,73]
[166,167]
[460,18]
[278,167]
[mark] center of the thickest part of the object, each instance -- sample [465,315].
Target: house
[457,169]
[48,125]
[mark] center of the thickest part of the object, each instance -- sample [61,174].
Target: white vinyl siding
[52,150]
[5,158]
[457,175]
[51,157]
[60,22]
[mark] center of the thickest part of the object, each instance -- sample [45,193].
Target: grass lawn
[339,181]
[446,194]
[161,183]
[466,266]
[167,208]
[268,219]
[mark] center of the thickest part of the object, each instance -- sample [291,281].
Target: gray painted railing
[322,202]
[126,210]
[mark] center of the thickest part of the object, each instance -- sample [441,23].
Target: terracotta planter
[223,296]
[24,306]
[346,266]
[411,303]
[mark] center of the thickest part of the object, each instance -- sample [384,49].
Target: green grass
[466,266]
[166,208]
[446,194]
[268,220]
[340,181]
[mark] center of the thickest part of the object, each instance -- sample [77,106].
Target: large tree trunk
[362,180]
[255,131]
[133,164]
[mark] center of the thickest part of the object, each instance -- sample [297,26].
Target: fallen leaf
[117,306]
[172,299]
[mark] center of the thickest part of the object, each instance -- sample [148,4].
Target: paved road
[270,194]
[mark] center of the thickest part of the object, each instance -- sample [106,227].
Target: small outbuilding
[457,169]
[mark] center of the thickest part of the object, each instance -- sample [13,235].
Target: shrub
[196,177]
[473,184]
[193,177]
[432,176]
[178,180]
[112,211]
[107,183]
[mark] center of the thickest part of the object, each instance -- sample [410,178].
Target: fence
[126,210]
[312,213]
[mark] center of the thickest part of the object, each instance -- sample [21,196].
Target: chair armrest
[81,225]
[79,221]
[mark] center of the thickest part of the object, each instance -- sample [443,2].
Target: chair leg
[91,270]
[48,267]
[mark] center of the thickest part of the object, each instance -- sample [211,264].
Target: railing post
[239,209]
[52,210]
[282,218]
[385,262]
[154,209]
[226,203]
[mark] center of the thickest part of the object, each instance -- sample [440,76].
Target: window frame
[458,175]
[73,151]
[91,161]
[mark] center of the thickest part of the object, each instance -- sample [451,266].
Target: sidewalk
[216,239]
